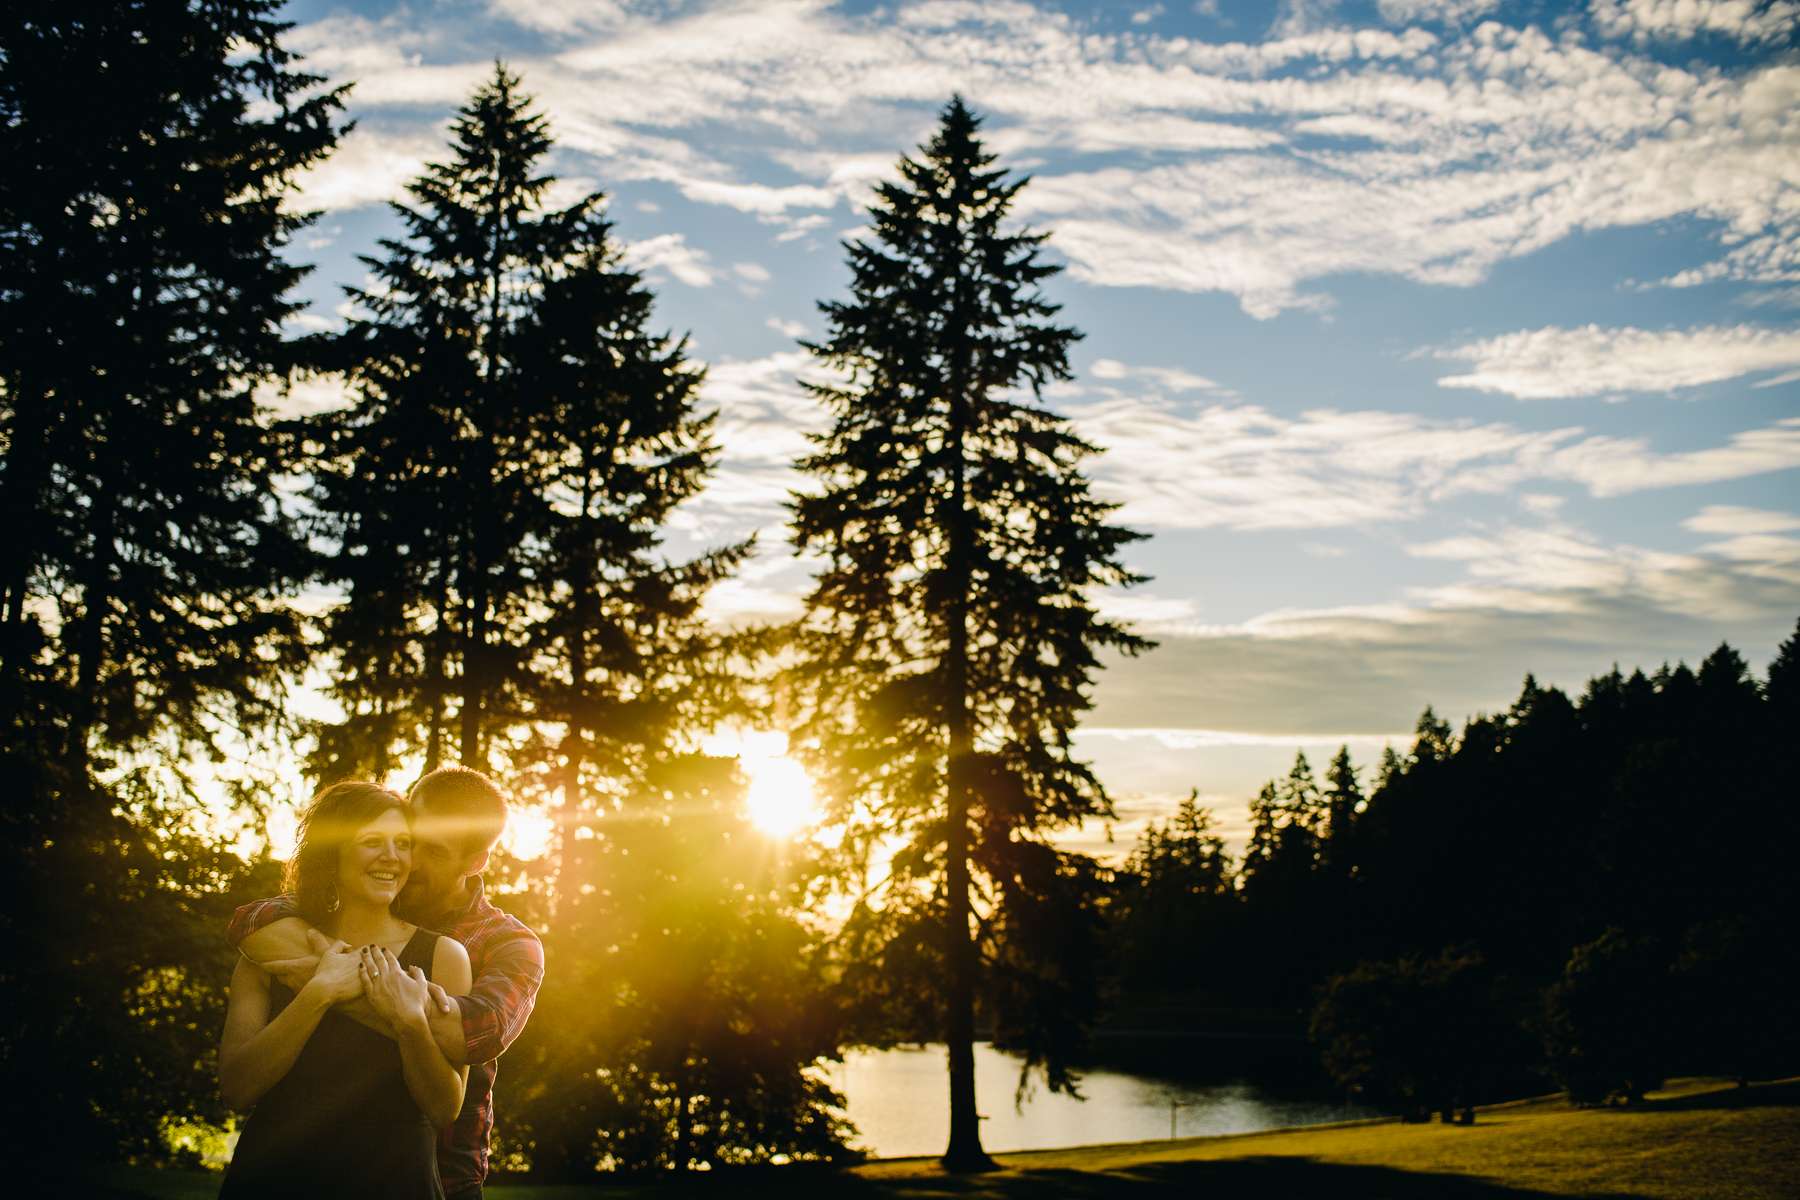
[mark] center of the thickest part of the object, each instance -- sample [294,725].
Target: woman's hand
[398,993]
[339,975]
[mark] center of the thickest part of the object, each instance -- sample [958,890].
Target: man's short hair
[469,799]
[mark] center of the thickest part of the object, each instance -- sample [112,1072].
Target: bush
[1426,1032]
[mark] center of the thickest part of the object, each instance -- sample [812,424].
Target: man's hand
[296,973]
[440,1000]
[338,977]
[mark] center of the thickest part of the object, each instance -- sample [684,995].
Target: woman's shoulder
[450,965]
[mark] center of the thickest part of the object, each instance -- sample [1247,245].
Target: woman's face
[373,865]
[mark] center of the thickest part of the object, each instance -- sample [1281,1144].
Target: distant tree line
[1595,890]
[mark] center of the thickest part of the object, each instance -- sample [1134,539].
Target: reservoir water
[899,1102]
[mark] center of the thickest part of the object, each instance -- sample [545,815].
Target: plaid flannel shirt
[508,964]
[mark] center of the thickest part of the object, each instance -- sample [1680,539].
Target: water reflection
[899,1100]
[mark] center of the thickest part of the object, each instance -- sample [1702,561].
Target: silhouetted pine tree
[1783,686]
[147,150]
[498,488]
[950,636]
[1178,906]
[1343,801]
[621,657]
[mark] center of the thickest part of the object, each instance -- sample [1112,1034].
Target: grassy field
[1699,1139]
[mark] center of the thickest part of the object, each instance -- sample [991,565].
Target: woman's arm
[399,995]
[256,1052]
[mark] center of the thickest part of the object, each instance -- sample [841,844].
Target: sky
[1433,342]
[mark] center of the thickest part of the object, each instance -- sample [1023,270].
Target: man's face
[439,869]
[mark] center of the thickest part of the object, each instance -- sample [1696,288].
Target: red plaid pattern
[508,962]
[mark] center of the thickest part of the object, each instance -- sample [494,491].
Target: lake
[899,1101]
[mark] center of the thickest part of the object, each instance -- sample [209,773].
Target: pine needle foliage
[497,490]
[949,638]
[148,149]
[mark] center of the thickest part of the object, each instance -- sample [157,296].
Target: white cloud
[1142,608]
[793,329]
[1454,12]
[1730,518]
[670,250]
[754,272]
[763,418]
[1168,379]
[369,167]
[1246,168]
[1553,363]
[1747,21]
[561,16]
[755,198]
[1242,467]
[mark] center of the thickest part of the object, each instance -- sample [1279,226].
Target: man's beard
[407,904]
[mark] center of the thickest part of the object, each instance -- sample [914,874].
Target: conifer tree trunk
[964,1151]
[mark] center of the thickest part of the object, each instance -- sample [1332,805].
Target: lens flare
[780,797]
[527,834]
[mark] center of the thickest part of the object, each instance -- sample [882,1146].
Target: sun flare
[780,798]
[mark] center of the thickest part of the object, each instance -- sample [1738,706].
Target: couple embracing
[373,999]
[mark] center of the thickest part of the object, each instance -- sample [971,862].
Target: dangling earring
[335,900]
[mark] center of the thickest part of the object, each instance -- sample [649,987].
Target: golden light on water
[781,797]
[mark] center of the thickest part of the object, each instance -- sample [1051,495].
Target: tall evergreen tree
[948,640]
[1343,800]
[148,149]
[496,491]
[1180,896]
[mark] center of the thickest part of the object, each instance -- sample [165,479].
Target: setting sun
[780,798]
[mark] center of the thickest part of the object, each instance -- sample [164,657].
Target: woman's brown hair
[328,823]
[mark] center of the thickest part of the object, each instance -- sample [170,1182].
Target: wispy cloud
[670,251]
[1167,379]
[1369,670]
[763,419]
[371,166]
[1733,519]
[1253,169]
[1552,363]
[1243,467]
[1557,567]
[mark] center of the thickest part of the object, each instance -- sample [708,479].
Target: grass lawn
[1699,1139]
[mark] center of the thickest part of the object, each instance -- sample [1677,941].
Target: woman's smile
[378,859]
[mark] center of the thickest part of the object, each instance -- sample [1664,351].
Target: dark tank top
[341,1122]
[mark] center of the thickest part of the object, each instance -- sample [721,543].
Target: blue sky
[1434,341]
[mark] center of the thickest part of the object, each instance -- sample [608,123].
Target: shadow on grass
[1261,1178]
[1233,1179]
[1249,1178]
[1783,1094]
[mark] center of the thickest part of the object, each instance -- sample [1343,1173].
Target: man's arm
[259,914]
[289,949]
[478,1027]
